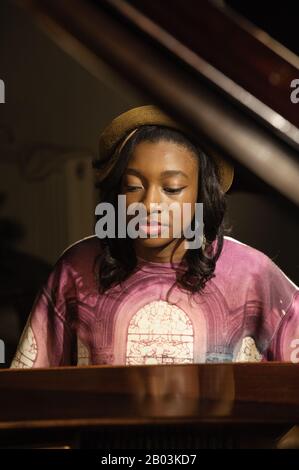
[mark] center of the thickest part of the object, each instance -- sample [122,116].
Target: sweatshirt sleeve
[47,339]
[281,313]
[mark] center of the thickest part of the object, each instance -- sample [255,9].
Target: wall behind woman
[50,124]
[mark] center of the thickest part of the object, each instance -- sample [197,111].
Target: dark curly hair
[118,260]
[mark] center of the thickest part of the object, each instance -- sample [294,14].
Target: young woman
[122,300]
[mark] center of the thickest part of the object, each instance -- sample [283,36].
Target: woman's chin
[153,242]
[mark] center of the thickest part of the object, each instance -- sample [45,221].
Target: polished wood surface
[98,395]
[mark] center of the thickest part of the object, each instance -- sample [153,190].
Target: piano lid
[234,100]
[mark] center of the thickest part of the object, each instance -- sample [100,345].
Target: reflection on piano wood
[175,406]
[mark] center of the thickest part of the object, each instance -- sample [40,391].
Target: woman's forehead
[163,156]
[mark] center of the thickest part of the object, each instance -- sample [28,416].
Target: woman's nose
[152,198]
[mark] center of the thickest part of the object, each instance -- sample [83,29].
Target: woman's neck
[167,254]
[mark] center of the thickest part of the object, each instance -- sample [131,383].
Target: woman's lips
[151,227]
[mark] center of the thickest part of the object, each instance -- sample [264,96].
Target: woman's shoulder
[82,252]
[247,259]
[242,253]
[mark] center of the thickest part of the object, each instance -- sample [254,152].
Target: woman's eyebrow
[132,171]
[173,173]
[164,174]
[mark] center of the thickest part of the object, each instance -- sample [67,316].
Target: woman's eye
[131,188]
[174,190]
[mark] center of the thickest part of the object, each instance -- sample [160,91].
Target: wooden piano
[210,406]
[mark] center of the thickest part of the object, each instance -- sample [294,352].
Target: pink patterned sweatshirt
[248,312]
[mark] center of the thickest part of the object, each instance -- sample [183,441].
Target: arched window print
[160,333]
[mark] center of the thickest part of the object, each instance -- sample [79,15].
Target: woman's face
[157,175]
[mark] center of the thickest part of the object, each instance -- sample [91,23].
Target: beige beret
[120,129]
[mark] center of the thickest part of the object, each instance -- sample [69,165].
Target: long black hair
[118,260]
